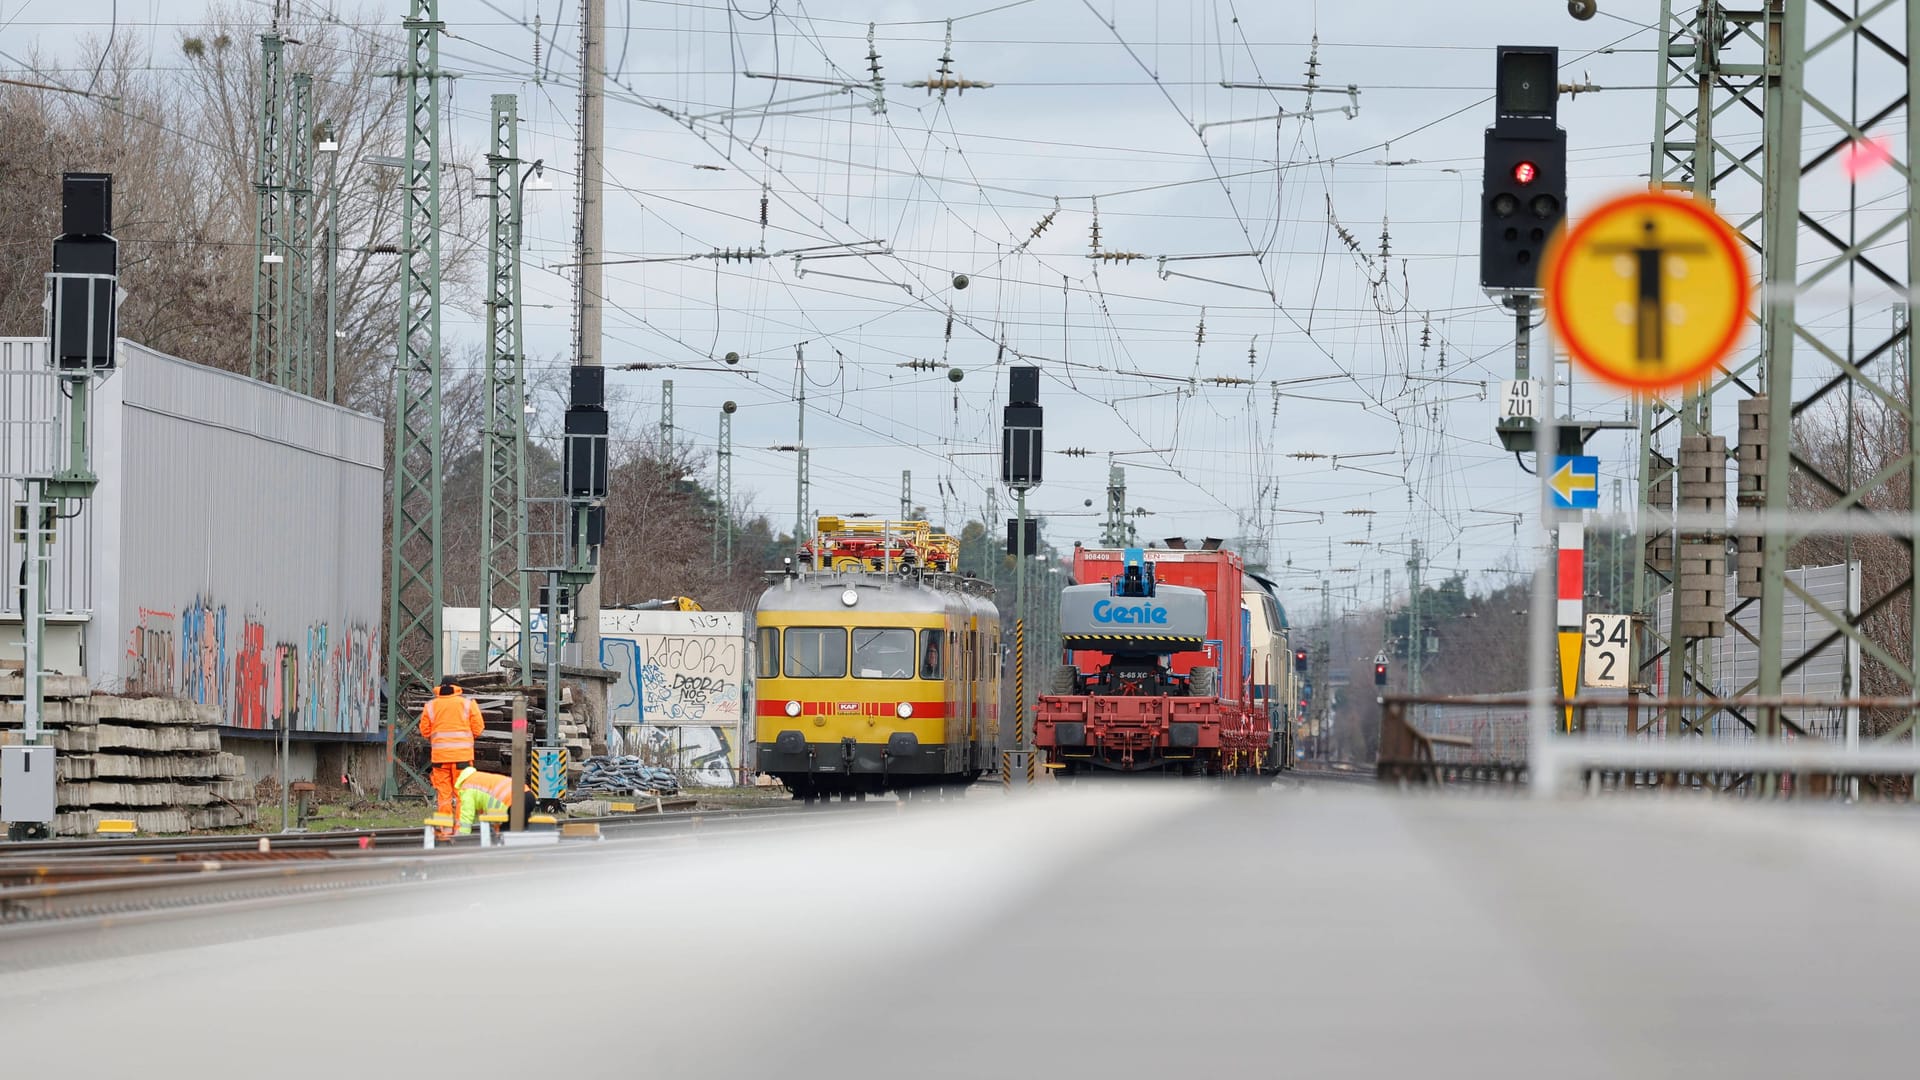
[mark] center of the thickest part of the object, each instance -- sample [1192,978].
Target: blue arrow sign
[1575,482]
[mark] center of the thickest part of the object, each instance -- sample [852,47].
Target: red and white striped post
[1572,574]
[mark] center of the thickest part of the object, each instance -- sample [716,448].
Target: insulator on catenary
[536,46]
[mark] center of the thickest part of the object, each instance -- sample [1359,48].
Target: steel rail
[340,839]
[147,891]
[207,882]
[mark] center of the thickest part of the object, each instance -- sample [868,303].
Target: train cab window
[767,653]
[882,653]
[932,653]
[816,652]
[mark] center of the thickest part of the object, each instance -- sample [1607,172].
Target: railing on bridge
[1622,743]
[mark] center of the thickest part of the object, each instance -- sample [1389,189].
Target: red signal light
[1525,172]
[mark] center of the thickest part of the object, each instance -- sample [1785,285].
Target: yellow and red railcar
[869,682]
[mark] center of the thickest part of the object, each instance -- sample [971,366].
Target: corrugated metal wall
[249,548]
[236,541]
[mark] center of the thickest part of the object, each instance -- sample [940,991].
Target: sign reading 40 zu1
[1650,291]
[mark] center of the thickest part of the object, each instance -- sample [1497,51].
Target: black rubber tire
[1204,681]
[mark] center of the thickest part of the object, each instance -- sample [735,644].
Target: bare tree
[1846,450]
[181,143]
[360,106]
[183,262]
[661,521]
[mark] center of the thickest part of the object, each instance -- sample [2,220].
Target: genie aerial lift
[1157,672]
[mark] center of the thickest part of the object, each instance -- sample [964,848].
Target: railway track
[400,836]
[100,883]
[1351,774]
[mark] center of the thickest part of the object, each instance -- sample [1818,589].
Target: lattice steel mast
[415,581]
[1733,104]
[1823,38]
[299,192]
[723,489]
[503,444]
[266,347]
[1711,68]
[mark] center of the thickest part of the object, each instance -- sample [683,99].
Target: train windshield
[882,653]
[816,652]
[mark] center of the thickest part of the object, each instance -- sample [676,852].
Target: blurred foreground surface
[1133,930]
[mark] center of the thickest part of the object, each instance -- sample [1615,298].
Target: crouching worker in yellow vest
[478,793]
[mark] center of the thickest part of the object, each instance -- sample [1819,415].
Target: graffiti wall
[701,755]
[237,561]
[683,677]
[322,682]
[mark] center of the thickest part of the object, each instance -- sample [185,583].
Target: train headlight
[904,710]
[793,708]
[850,598]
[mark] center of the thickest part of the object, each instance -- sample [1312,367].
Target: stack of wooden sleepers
[494,693]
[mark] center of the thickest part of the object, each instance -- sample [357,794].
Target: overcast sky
[1395,361]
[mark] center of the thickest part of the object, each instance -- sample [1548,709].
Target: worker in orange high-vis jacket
[450,722]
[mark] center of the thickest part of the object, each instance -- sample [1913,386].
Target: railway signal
[1523,194]
[1300,660]
[1380,672]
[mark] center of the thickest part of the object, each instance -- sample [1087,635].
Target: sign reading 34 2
[1609,651]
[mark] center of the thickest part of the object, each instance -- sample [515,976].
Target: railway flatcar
[872,681]
[1160,676]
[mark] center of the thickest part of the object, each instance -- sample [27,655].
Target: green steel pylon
[1750,101]
[299,294]
[415,583]
[503,444]
[269,243]
[1814,117]
[723,489]
[1711,83]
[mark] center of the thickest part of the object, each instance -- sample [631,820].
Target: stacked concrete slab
[1750,553]
[156,761]
[1702,564]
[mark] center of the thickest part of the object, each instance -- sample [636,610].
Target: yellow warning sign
[1649,291]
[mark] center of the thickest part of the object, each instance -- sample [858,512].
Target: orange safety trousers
[445,775]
